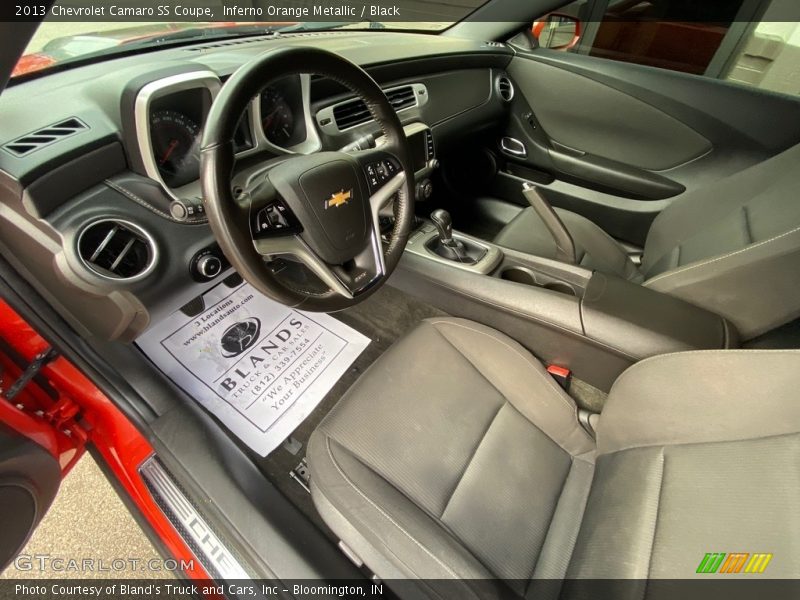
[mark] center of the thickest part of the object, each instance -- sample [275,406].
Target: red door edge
[51,423]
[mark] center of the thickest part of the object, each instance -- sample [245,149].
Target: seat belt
[565,246]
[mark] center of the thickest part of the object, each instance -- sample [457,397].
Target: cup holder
[528,277]
[519,276]
[560,287]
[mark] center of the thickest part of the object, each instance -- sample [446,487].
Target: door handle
[513,146]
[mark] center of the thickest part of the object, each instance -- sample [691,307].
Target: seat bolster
[701,397]
[521,379]
[757,288]
[387,531]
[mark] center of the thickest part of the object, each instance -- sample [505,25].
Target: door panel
[29,480]
[617,142]
[592,117]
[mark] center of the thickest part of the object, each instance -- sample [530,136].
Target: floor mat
[260,367]
[384,318]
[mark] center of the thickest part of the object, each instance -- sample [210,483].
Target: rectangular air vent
[31,142]
[349,114]
[354,112]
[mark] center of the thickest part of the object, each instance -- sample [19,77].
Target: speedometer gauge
[176,147]
[277,118]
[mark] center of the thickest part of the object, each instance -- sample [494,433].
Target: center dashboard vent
[31,142]
[354,112]
[116,249]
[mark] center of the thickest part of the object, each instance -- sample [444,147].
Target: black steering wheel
[320,210]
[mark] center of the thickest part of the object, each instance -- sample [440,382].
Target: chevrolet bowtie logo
[340,198]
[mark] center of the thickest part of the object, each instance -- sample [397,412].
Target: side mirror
[557,31]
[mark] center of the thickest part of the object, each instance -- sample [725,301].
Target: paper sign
[259,366]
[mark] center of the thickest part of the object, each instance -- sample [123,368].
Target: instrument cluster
[176,120]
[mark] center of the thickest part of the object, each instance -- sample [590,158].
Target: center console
[595,324]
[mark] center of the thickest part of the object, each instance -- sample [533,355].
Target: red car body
[56,50]
[64,412]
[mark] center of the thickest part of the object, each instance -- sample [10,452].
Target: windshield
[66,35]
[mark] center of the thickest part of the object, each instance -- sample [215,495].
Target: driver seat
[731,247]
[458,466]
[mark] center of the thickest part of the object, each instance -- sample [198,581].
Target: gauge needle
[268,119]
[170,149]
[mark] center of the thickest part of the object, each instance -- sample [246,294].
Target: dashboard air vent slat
[354,112]
[116,249]
[505,88]
[44,137]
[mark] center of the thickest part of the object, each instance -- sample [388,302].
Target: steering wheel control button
[379,172]
[274,219]
[208,264]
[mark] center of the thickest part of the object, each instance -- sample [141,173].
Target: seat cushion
[455,456]
[594,247]
[457,466]
[704,462]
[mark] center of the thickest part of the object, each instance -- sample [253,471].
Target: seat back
[733,247]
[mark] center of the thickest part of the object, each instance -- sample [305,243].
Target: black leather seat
[456,457]
[732,247]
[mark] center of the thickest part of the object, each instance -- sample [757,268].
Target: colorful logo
[733,562]
[340,198]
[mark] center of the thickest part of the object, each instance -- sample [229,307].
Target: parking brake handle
[565,247]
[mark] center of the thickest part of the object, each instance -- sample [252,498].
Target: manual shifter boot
[448,247]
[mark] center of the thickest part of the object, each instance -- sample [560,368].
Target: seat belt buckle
[562,375]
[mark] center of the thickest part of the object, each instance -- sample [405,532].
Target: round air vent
[505,88]
[117,249]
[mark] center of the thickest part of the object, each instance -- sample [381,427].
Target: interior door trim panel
[613,169]
[581,113]
[724,113]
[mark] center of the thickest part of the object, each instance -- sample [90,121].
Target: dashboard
[127,150]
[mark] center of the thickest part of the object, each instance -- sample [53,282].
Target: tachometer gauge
[277,119]
[176,147]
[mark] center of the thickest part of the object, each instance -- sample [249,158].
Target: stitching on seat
[559,392]
[718,258]
[382,512]
[316,490]
[663,465]
[547,538]
[530,361]
[471,458]
[671,355]
[768,436]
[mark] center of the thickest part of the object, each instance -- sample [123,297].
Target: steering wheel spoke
[346,280]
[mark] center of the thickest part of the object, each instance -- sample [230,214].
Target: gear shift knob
[444,224]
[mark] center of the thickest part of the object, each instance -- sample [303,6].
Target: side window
[769,58]
[703,37]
